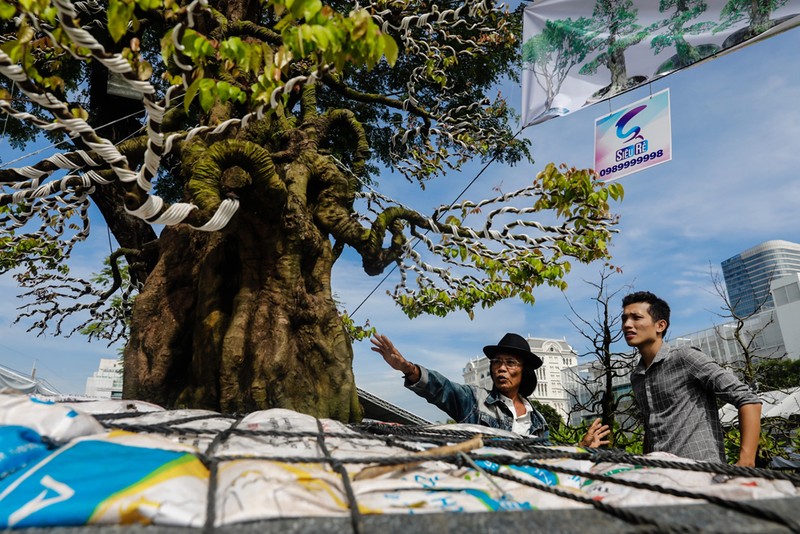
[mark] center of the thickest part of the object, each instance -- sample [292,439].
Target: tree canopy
[774,374]
[258,135]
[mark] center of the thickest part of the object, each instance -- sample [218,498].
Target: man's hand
[386,348]
[594,436]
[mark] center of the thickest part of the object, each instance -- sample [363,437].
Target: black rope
[410,438]
[617,456]
[211,500]
[213,465]
[737,506]
[355,514]
[532,447]
[620,513]
[130,415]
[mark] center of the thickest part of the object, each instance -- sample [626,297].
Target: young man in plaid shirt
[676,389]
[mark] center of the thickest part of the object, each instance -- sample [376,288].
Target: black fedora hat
[515,345]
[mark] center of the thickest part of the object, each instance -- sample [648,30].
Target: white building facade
[555,354]
[106,382]
[761,332]
[786,296]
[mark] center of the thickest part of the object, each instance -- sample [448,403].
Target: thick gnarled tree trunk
[242,320]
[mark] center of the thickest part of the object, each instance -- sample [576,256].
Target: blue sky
[732,183]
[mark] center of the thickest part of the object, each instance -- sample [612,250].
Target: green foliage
[564,434]
[617,20]
[309,31]
[119,13]
[683,12]
[33,251]
[631,441]
[777,374]
[773,441]
[561,45]
[379,75]
[551,415]
[777,436]
[357,332]
[470,78]
[573,195]
[756,12]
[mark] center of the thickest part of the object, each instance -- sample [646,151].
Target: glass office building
[748,275]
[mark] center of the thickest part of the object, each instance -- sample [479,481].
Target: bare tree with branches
[743,330]
[746,331]
[598,392]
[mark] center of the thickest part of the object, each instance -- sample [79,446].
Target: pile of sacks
[60,466]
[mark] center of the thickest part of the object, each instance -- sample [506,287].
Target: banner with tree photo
[576,53]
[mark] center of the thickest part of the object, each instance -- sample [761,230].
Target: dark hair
[529,380]
[658,308]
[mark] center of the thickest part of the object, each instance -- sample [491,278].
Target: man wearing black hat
[513,367]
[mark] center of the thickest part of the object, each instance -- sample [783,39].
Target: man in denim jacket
[513,368]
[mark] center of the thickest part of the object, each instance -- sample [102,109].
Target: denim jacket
[472,404]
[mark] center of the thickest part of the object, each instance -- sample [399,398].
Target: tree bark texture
[243,319]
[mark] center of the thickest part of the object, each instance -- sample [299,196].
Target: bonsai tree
[258,136]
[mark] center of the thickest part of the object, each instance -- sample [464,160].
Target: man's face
[638,325]
[506,373]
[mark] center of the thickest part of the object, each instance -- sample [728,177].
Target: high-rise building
[786,293]
[106,382]
[555,354]
[748,274]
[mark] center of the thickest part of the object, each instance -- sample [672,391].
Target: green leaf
[321,36]
[234,49]
[25,33]
[13,49]
[7,10]
[119,14]
[147,5]
[208,93]
[196,45]
[390,49]
[311,9]
[224,91]
[144,70]
[191,92]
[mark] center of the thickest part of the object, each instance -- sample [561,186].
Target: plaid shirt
[677,398]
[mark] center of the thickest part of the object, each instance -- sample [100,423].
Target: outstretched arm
[384,347]
[750,428]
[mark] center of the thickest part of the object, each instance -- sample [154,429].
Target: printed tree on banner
[264,128]
[757,13]
[616,19]
[551,54]
[684,11]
